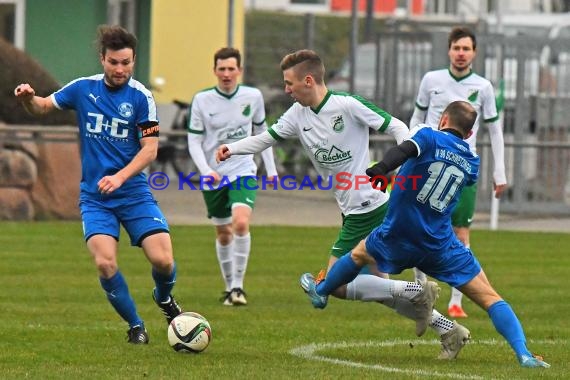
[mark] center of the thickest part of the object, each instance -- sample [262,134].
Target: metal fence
[540,185]
[536,76]
[531,74]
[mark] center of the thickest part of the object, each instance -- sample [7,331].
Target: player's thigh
[480,291]
[103,250]
[389,257]
[97,218]
[242,200]
[243,192]
[101,230]
[355,228]
[158,250]
[456,266]
[217,205]
[141,218]
[464,211]
[361,257]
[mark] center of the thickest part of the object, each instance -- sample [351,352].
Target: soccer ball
[189,332]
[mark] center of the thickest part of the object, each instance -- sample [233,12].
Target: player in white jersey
[223,114]
[437,90]
[333,129]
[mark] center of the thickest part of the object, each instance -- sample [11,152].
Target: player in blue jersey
[458,82]
[417,230]
[118,130]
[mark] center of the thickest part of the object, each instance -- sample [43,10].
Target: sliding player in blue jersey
[118,130]
[417,230]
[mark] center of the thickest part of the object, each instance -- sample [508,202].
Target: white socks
[242,246]
[394,294]
[224,253]
[405,289]
[366,287]
[404,307]
[439,323]
[456,297]
[233,260]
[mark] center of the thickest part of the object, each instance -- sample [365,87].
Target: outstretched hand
[223,153]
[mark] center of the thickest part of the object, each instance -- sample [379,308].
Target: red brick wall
[380,6]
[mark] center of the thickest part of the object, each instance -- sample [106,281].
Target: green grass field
[55,322]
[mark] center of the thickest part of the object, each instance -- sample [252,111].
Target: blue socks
[164,284]
[342,272]
[118,295]
[509,326]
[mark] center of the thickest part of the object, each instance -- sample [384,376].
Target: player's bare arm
[147,154]
[35,105]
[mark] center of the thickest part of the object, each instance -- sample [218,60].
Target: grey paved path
[315,208]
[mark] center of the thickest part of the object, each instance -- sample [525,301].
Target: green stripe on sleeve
[387,121]
[373,107]
[491,119]
[194,131]
[422,108]
[274,134]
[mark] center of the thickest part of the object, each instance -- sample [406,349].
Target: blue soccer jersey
[109,121]
[427,189]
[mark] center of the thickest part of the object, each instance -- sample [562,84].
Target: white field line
[310,352]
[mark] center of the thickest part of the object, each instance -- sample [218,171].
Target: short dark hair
[114,37]
[227,52]
[305,62]
[461,115]
[461,32]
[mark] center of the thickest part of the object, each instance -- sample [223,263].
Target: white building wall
[468,8]
[286,5]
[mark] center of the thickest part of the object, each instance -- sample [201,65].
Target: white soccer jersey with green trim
[439,88]
[222,119]
[335,136]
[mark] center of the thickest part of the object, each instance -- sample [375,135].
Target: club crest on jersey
[472,97]
[126,110]
[333,155]
[246,109]
[337,123]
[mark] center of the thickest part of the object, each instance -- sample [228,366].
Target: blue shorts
[139,215]
[456,266]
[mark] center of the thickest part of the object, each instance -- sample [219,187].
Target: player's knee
[224,234]
[241,226]
[359,254]
[106,268]
[164,267]
[480,291]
